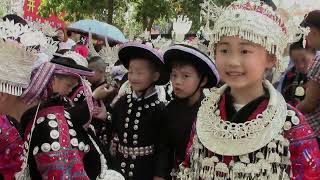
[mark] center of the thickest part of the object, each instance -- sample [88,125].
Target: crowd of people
[185,113]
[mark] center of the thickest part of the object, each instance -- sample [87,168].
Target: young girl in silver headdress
[245,129]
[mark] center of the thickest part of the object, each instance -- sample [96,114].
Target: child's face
[241,64]
[141,75]
[302,59]
[64,85]
[313,38]
[60,35]
[185,80]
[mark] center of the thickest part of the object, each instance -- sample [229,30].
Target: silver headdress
[16,59]
[254,21]
[44,27]
[109,55]
[181,26]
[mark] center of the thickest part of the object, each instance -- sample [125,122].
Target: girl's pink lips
[177,90]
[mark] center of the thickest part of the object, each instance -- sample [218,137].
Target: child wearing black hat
[137,116]
[191,72]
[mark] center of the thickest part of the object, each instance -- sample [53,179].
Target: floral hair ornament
[252,20]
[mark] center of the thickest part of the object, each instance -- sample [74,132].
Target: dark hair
[270,3]
[152,65]
[97,63]
[186,59]
[175,63]
[17,19]
[296,46]
[299,46]
[312,19]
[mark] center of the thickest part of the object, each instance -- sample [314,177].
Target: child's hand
[100,112]
[102,92]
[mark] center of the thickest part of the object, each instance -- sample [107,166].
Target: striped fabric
[314,117]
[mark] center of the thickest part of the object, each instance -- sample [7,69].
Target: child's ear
[271,61]
[204,81]
[156,76]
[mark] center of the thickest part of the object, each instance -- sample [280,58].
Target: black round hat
[133,50]
[195,56]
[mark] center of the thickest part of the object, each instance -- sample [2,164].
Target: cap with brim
[76,64]
[132,50]
[312,19]
[195,56]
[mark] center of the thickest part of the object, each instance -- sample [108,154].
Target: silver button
[51,116]
[139,108]
[125,141]
[78,95]
[75,99]
[138,114]
[135,127]
[81,92]
[123,171]
[129,111]
[146,106]
[67,116]
[35,150]
[66,112]
[55,146]
[45,147]
[136,121]
[134,157]
[72,132]
[123,164]
[54,134]
[86,148]
[129,100]
[53,124]
[70,123]
[287,125]
[135,136]
[153,104]
[127,119]
[26,145]
[130,105]
[125,135]
[81,146]
[135,143]
[130,174]
[131,166]
[295,120]
[126,125]
[291,113]
[157,102]
[74,142]
[40,120]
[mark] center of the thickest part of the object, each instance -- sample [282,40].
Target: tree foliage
[146,12]
[73,9]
